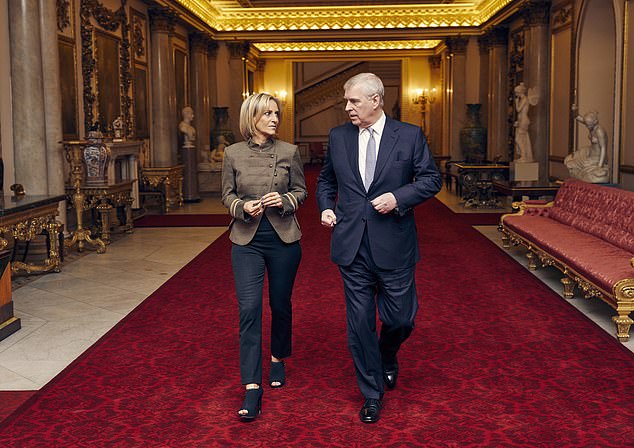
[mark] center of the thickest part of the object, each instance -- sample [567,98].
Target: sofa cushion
[605,212]
[599,261]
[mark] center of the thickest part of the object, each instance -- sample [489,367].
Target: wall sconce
[281,95]
[424,97]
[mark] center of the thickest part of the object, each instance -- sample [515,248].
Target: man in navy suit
[376,171]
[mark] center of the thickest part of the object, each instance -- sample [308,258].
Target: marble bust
[186,128]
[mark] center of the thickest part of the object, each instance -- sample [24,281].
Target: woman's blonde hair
[252,110]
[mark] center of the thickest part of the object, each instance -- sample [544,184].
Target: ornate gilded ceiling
[287,25]
[230,16]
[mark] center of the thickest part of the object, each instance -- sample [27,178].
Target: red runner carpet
[497,359]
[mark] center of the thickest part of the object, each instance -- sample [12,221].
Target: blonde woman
[262,186]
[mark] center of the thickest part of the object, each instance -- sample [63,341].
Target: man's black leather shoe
[390,376]
[371,411]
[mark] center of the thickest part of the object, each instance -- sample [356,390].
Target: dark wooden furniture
[9,324]
[474,182]
[518,189]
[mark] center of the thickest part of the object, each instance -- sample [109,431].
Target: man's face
[363,111]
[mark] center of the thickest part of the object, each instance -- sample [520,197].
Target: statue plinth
[524,171]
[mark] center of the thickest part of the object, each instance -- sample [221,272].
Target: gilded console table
[24,217]
[169,180]
[91,186]
[104,199]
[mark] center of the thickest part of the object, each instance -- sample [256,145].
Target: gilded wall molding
[562,16]
[63,14]
[111,21]
[138,37]
[346,46]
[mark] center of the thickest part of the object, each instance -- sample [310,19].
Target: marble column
[52,102]
[435,107]
[199,44]
[29,130]
[212,53]
[536,67]
[164,120]
[239,52]
[483,85]
[497,125]
[457,47]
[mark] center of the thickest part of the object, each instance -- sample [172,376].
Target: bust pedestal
[209,177]
[190,179]
[524,171]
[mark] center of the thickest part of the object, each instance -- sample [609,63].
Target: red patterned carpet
[497,359]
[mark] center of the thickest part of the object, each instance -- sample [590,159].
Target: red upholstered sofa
[587,232]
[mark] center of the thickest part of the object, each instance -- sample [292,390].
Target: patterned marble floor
[64,314]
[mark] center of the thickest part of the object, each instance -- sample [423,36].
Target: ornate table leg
[104,208]
[168,194]
[81,235]
[129,221]
[54,260]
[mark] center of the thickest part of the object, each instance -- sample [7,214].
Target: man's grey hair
[370,85]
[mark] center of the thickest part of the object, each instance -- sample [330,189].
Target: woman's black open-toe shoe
[277,374]
[252,404]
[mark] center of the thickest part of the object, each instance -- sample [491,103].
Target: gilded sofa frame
[621,297]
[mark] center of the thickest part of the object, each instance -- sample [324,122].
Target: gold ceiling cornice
[227,16]
[346,45]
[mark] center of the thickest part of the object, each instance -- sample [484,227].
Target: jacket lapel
[388,142]
[352,148]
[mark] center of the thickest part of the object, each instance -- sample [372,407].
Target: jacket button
[271,166]
[272,156]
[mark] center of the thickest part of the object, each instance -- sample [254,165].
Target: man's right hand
[328,218]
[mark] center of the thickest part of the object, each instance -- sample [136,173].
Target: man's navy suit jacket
[405,167]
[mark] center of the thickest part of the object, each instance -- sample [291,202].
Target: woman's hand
[272,199]
[253,208]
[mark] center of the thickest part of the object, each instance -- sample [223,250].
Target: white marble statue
[212,160]
[523,100]
[589,162]
[186,128]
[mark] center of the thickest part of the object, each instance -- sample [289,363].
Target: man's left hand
[384,203]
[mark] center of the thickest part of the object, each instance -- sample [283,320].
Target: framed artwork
[108,79]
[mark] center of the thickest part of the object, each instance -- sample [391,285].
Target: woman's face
[267,124]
